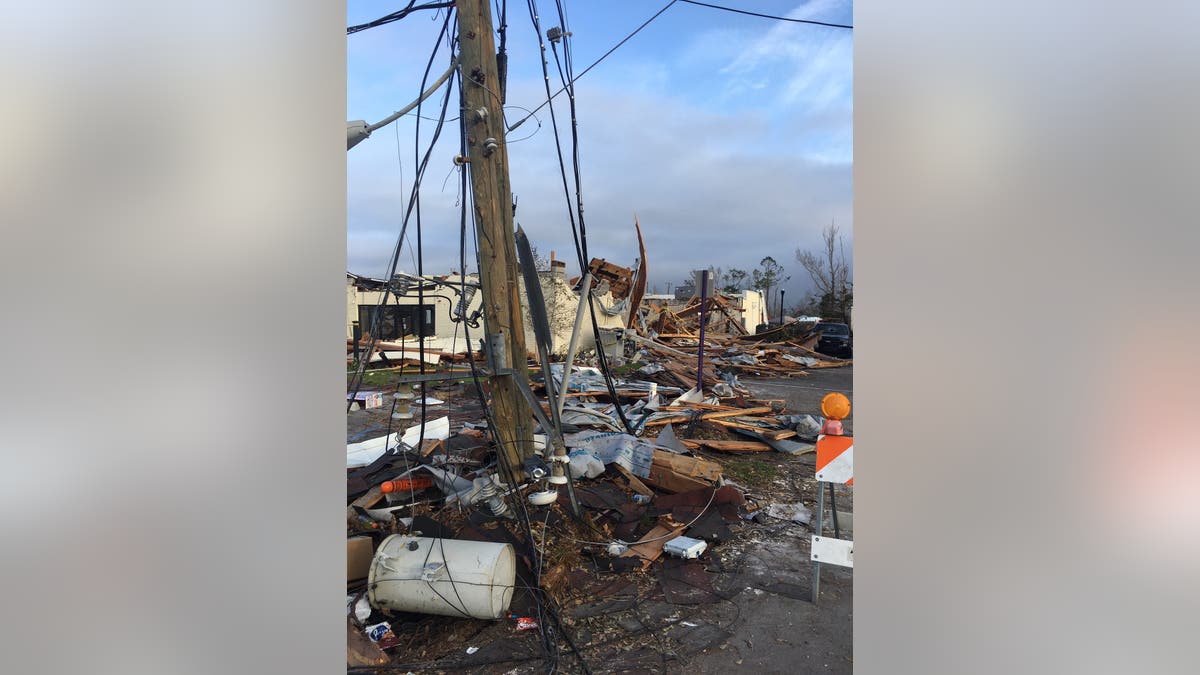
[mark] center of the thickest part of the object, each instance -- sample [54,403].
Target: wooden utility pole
[484,123]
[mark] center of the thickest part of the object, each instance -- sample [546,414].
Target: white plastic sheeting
[362,454]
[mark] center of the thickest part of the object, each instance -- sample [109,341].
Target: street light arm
[358,130]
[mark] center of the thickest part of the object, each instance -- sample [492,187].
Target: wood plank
[711,415]
[366,501]
[741,425]
[736,412]
[369,499]
[692,467]
[430,446]
[704,406]
[665,479]
[635,483]
[728,446]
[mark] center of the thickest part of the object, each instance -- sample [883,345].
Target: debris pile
[626,477]
[655,502]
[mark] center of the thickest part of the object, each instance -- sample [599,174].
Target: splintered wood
[678,473]
[727,446]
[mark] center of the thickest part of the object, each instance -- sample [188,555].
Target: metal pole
[541,330]
[584,290]
[837,530]
[816,571]
[781,292]
[703,321]
[357,334]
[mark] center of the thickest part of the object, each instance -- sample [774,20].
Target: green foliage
[735,280]
[751,472]
[769,275]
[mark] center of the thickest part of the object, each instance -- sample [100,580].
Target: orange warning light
[835,406]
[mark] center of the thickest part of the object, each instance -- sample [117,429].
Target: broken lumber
[635,483]
[727,446]
[711,415]
[366,501]
[680,473]
[430,445]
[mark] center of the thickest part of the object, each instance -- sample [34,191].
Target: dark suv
[835,340]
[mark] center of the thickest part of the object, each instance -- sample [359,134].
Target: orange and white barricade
[835,465]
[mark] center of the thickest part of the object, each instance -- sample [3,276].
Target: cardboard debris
[360,649]
[359,551]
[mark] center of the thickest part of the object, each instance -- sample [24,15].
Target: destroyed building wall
[753,309]
[561,304]
[439,302]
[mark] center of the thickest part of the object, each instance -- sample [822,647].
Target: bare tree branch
[828,269]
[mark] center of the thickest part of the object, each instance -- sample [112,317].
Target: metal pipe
[358,131]
[424,95]
[816,566]
[357,334]
[585,289]
[703,321]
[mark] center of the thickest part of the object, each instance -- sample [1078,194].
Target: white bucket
[413,574]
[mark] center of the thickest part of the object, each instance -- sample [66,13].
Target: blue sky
[729,135]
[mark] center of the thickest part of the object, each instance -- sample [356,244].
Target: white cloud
[712,183]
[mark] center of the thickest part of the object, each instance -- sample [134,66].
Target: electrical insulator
[399,285]
[464,303]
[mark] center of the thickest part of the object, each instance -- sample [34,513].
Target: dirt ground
[754,611]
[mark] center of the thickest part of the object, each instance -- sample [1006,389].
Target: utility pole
[488,153]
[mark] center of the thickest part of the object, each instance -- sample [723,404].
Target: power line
[594,63]
[770,16]
[396,16]
[414,200]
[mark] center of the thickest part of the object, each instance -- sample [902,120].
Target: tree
[768,276]
[540,262]
[830,273]
[735,280]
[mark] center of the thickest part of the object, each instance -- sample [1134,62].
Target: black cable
[420,247]
[396,16]
[502,54]
[837,529]
[595,63]
[533,16]
[507,471]
[374,337]
[568,76]
[769,16]
[413,198]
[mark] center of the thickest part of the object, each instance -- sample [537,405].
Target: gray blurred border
[1025,345]
[173,221]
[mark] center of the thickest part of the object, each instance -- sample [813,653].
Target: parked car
[835,340]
